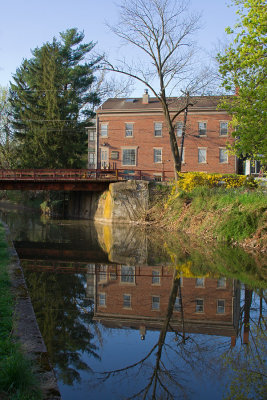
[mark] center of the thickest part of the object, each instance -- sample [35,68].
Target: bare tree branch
[163,31]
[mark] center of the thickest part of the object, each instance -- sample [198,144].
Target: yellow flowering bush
[188,181]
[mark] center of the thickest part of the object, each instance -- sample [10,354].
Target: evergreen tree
[52,102]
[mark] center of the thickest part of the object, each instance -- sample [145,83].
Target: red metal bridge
[67,179]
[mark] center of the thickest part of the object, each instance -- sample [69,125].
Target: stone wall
[123,202]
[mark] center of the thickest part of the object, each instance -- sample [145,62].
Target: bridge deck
[57,179]
[69,179]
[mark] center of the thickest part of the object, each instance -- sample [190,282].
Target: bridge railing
[53,175]
[57,174]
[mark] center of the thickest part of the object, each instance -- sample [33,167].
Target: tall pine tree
[52,102]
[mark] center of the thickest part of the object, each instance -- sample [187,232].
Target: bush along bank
[227,208]
[17,379]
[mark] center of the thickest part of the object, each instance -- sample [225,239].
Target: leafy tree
[7,146]
[243,67]
[52,102]
[163,32]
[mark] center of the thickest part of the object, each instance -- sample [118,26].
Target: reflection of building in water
[137,297]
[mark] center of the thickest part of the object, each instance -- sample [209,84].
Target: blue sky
[26,24]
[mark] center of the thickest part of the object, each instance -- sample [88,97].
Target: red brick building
[138,296]
[132,135]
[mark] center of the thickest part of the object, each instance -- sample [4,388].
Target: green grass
[237,213]
[17,380]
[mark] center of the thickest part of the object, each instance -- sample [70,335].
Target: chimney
[145,97]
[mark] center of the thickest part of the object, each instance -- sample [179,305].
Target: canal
[130,313]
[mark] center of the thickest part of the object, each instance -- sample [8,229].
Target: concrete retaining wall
[123,202]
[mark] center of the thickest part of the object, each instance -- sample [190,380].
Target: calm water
[130,314]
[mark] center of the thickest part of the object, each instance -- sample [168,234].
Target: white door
[104,158]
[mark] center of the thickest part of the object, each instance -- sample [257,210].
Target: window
[113,276]
[202,156]
[199,305]
[104,157]
[255,167]
[223,128]
[155,277]
[220,306]
[158,129]
[179,129]
[223,156]
[129,130]
[126,301]
[91,136]
[114,155]
[157,155]
[103,273]
[155,302]
[102,299]
[177,304]
[92,158]
[127,274]
[182,155]
[221,283]
[158,177]
[200,282]
[128,156]
[202,128]
[104,130]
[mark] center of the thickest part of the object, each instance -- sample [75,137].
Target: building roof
[136,104]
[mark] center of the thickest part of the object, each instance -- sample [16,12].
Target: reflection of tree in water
[248,364]
[214,357]
[64,316]
[162,382]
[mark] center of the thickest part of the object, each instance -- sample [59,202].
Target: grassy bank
[17,380]
[233,215]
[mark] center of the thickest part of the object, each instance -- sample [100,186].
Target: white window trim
[200,312]
[105,297]
[158,276]
[103,123]
[126,307]
[223,162]
[180,304]
[176,128]
[226,122]
[198,286]
[158,122]
[202,148]
[103,274]
[157,148]
[157,175]
[222,287]
[127,283]
[183,161]
[102,149]
[155,309]
[220,313]
[202,122]
[130,123]
[129,148]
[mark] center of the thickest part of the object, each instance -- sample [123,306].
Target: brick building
[132,135]
[138,297]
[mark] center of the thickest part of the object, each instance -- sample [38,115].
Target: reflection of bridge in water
[52,253]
